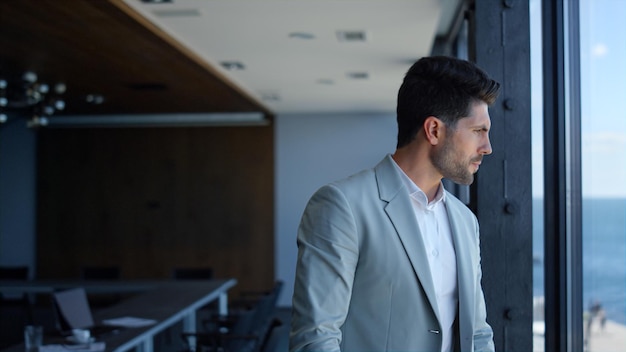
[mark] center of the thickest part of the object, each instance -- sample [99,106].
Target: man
[388,260]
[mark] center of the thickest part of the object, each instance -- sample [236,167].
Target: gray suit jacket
[363,281]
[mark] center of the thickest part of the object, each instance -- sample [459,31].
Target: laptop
[72,311]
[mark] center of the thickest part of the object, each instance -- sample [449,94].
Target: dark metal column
[501,197]
[562,170]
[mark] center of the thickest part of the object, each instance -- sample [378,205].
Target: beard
[452,165]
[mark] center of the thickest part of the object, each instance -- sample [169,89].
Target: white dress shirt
[434,225]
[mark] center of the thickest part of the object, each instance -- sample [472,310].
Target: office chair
[249,326]
[13,273]
[16,273]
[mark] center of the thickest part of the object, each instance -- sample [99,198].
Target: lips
[477,162]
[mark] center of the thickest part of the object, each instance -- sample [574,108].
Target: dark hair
[440,86]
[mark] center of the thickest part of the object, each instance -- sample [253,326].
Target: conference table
[165,302]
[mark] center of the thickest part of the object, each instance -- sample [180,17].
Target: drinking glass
[33,337]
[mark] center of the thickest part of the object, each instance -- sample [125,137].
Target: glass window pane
[537,172]
[603,90]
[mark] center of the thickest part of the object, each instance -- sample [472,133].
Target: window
[537,173]
[585,303]
[603,161]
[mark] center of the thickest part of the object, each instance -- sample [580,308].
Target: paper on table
[129,322]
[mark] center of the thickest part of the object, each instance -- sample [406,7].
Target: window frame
[562,176]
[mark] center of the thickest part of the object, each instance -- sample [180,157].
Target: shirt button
[435,252]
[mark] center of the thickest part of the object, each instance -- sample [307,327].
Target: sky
[603,92]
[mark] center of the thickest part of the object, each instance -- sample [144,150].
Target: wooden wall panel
[96,47]
[149,199]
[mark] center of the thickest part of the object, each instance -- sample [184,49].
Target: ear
[433,130]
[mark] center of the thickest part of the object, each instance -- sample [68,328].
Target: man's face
[459,155]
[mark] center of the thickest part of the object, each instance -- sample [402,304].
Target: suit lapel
[400,212]
[464,265]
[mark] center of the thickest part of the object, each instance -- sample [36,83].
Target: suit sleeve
[483,334]
[327,258]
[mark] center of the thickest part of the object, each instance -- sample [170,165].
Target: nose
[485,148]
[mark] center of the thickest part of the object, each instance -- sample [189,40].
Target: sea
[604,254]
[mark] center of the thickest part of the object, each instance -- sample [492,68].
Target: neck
[417,166]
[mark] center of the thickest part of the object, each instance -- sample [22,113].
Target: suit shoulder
[355,186]
[360,177]
[453,201]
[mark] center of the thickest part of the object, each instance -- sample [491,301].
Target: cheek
[477,143]
[467,146]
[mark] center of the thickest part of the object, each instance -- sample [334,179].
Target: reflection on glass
[603,78]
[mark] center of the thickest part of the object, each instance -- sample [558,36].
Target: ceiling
[220,56]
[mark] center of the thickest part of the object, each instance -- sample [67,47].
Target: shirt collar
[416,193]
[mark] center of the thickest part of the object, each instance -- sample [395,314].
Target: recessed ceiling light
[177,13]
[326,81]
[301,35]
[233,65]
[357,75]
[269,96]
[351,36]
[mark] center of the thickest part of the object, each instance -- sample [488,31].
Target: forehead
[478,116]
